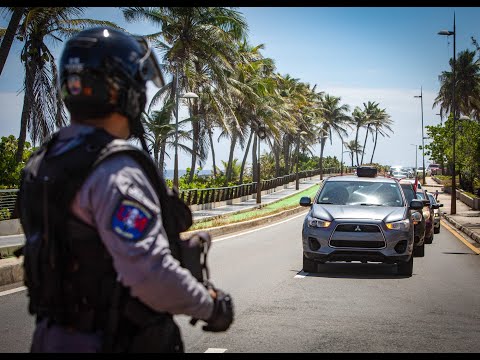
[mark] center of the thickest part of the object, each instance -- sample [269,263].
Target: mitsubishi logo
[358,228]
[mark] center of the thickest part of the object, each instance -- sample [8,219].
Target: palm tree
[359,118]
[354,148]
[334,120]
[467,86]
[9,33]
[43,108]
[371,111]
[381,126]
[195,41]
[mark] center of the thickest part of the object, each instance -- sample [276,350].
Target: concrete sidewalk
[466,219]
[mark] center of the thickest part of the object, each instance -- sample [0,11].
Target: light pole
[423,145]
[453,204]
[261,134]
[188,95]
[297,179]
[415,159]
[321,160]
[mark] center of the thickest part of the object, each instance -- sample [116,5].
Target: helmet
[103,70]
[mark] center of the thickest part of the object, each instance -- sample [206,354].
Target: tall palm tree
[195,40]
[467,86]
[370,110]
[7,35]
[334,120]
[43,108]
[381,126]
[359,118]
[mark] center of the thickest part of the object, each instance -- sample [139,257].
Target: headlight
[399,225]
[318,223]
[436,215]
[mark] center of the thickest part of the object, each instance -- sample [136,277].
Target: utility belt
[134,316]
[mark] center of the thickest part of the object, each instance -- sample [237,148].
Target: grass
[270,209]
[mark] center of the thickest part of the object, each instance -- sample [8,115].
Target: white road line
[300,275]
[215,350]
[12,291]
[260,228]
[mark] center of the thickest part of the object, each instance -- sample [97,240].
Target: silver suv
[364,218]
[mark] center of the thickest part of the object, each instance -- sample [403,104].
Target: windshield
[360,193]
[420,196]
[408,192]
[432,199]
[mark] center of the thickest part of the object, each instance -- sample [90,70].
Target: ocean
[168,174]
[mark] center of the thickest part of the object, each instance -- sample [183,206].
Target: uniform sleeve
[119,201]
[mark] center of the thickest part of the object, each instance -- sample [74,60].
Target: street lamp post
[415,159]
[423,144]
[188,95]
[453,204]
[261,134]
[321,160]
[297,178]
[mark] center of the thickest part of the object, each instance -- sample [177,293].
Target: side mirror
[440,205]
[305,201]
[416,204]
[435,206]
[416,217]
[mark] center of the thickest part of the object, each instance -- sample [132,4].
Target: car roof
[361,178]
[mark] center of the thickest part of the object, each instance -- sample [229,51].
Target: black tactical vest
[68,271]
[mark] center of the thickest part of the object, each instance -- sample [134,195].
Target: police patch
[131,220]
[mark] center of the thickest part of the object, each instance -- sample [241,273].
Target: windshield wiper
[365,204]
[325,202]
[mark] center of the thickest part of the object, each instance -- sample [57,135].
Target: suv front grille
[360,236]
[358,228]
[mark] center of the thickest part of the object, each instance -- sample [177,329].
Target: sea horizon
[168,173]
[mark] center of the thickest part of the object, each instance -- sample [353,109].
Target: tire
[405,268]
[419,251]
[309,266]
[429,240]
[436,230]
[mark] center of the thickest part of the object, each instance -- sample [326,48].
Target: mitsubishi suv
[362,217]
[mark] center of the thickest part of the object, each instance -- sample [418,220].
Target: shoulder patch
[130,220]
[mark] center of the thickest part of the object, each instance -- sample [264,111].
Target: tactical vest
[68,271]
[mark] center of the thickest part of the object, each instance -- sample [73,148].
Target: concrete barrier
[10,227]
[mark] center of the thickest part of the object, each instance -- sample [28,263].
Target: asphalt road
[348,307]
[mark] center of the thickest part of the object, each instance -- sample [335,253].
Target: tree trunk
[322,147]
[10,35]
[229,171]
[210,138]
[374,146]
[365,142]
[276,154]
[244,161]
[195,139]
[28,96]
[356,143]
[254,158]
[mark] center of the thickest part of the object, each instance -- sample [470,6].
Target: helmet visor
[148,65]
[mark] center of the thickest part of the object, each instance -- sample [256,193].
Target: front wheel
[309,265]
[405,268]
[429,240]
[436,230]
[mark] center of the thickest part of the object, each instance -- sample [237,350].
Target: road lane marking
[12,291]
[215,350]
[300,275]
[459,237]
[259,228]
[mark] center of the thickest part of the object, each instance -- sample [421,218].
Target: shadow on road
[457,253]
[357,271]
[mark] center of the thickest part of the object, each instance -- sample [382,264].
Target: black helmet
[103,70]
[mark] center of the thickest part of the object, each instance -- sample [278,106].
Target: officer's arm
[119,201]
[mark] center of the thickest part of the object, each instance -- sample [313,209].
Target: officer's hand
[222,315]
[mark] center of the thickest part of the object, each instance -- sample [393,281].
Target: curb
[11,271]
[475,237]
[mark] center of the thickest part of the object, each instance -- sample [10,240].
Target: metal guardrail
[7,203]
[196,196]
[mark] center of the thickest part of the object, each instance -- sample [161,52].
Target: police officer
[101,257]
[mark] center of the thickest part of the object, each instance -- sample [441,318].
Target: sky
[361,54]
